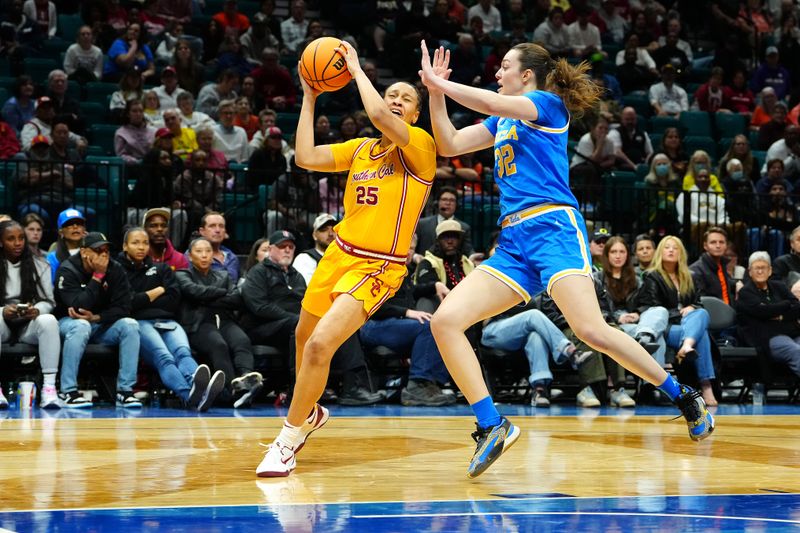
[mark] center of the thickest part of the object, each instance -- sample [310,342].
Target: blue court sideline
[516,513]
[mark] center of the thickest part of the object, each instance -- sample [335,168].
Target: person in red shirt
[9,144]
[230,17]
[712,96]
[742,99]
[274,82]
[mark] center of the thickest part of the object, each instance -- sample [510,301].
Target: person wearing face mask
[661,190]
[740,198]
[706,208]
[739,149]
[700,161]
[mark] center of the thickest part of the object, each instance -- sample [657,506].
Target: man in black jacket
[709,274]
[93,303]
[272,293]
[768,316]
[400,327]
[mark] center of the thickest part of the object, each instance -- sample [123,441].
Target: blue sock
[486,413]
[671,387]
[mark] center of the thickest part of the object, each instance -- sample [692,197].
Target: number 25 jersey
[530,158]
[386,190]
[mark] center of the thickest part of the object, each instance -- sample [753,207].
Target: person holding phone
[164,344]
[26,295]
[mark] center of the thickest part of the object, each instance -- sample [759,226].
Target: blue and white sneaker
[491,443]
[693,407]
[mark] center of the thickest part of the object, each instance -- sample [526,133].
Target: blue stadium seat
[93,113]
[102,135]
[68,26]
[660,124]
[7,82]
[639,101]
[74,90]
[696,123]
[110,170]
[99,91]
[39,68]
[655,140]
[730,124]
[100,201]
[693,142]
[287,122]
[723,145]
[760,156]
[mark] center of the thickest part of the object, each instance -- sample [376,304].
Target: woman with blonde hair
[699,161]
[668,283]
[660,216]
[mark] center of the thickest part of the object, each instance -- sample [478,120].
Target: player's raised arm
[449,140]
[306,155]
[480,100]
[380,114]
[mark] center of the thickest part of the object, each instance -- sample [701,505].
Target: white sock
[289,435]
[50,379]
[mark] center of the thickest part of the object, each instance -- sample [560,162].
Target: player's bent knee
[444,323]
[317,352]
[597,338]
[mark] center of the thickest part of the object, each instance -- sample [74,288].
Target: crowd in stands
[197,100]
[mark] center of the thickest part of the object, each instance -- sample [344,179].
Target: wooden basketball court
[66,467]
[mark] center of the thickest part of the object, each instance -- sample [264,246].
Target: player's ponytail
[571,83]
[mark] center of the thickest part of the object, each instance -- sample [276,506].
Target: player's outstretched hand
[433,71]
[350,56]
[307,89]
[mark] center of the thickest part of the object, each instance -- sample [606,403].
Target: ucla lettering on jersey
[530,158]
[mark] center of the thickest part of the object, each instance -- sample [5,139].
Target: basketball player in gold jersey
[387,187]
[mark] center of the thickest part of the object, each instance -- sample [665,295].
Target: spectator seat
[696,123]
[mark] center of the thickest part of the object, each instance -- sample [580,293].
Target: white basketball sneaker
[311,424]
[279,461]
[50,399]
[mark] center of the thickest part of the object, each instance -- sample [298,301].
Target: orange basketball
[322,67]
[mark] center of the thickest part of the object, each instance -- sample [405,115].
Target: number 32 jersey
[530,158]
[386,190]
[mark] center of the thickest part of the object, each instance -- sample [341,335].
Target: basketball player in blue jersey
[542,244]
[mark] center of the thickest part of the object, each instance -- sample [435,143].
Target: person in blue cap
[71,230]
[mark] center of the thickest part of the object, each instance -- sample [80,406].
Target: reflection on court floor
[391,468]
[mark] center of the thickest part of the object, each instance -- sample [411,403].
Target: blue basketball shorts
[537,247]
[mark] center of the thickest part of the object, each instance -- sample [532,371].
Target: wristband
[98,276]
